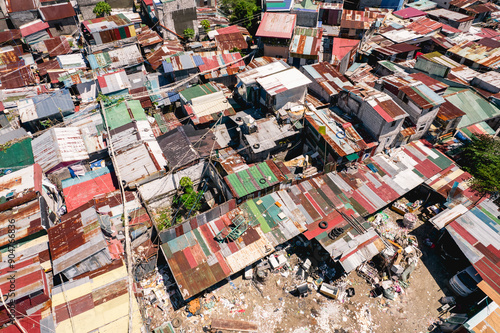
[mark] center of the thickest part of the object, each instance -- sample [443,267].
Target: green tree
[243,13]
[481,158]
[102,8]
[206,25]
[189,33]
[189,200]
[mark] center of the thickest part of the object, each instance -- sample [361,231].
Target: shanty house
[456,20]
[419,101]
[61,19]
[37,112]
[286,86]
[305,46]
[335,140]
[327,82]
[481,54]
[35,31]
[382,117]
[204,104]
[481,11]
[394,53]
[275,32]
[117,29]
[59,147]
[447,119]
[343,53]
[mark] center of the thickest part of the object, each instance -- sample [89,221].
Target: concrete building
[176,16]
[275,32]
[307,13]
[419,101]
[382,117]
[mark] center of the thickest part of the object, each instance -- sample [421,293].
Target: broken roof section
[276,25]
[330,80]
[257,178]
[338,133]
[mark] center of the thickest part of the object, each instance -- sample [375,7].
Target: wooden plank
[234,325]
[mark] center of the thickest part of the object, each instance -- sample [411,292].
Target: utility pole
[128,243]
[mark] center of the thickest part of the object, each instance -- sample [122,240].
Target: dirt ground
[276,310]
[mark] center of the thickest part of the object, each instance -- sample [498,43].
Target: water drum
[409,220]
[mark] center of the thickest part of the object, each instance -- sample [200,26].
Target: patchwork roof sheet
[327,77]
[254,179]
[485,52]
[185,61]
[198,261]
[306,41]
[477,233]
[113,82]
[213,62]
[106,23]
[230,41]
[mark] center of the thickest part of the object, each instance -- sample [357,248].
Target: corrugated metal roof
[449,15]
[18,155]
[58,102]
[306,41]
[422,96]
[113,82]
[380,101]
[276,25]
[71,61]
[176,63]
[58,145]
[119,114]
[28,219]
[476,108]
[57,12]
[77,244]
[339,134]
[261,67]
[327,77]
[198,261]
[282,81]
[227,42]
[106,23]
[141,161]
[100,300]
[33,27]
[477,234]
[117,58]
[148,37]
[254,179]
[408,13]
[177,148]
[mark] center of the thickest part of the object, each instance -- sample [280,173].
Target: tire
[323,225]
[176,322]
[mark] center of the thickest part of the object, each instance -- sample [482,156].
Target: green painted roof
[20,154]
[253,179]
[197,91]
[306,4]
[476,108]
[118,115]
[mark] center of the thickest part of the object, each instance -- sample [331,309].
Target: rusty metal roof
[327,77]
[77,244]
[382,103]
[57,12]
[10,35]
[57,46]
[306,42]
[229,41]
[435,85]
[14,6]
[339,134]
[28,219]
[354,19]
[448,111]
[424,26]
[485,52]
[276,25]
[397,49]
[148,37]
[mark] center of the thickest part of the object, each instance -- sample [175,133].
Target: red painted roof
[35,26]
[384,114]
[408,13]
[342,46]
[277,25]
[148,2]
[80,194]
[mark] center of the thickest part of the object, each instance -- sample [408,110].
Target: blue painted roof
[49,104]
